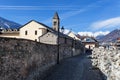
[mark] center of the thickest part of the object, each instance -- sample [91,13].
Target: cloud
[71,13]
[93,33]
[80,10]
[73,10]
[63,7]
[106,24]
[7,7]
[66,15]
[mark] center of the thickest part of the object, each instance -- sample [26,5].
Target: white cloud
[74,10]
[66,15]
[7,7]
[63,7]
[71,13]
[106,24]
[93,33]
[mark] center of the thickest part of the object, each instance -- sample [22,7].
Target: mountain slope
[112,36]
[99,37]
[6,24]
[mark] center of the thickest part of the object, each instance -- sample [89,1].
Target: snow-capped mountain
[112,36]
[6,24]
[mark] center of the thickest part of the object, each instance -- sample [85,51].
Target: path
[76,68]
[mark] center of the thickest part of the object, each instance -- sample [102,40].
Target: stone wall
[28,60]
[108,61]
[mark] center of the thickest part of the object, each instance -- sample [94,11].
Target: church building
[36,31]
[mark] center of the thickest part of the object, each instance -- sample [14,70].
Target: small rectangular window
[65,40]
[35,39]
[26,32]
[36,32]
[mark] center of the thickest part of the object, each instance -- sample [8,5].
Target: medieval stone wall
[28,60]
[108,61]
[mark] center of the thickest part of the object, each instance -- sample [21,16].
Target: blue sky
[78,15]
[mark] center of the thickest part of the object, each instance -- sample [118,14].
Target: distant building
[11,33]
[89,42]
[71,34]
[117,44]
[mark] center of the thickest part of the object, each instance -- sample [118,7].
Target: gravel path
[76,68]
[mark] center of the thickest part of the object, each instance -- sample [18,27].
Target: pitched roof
[50,29]
[89,39]
[38,23]
[56,16]
[56,33]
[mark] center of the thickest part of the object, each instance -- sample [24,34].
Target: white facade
[71,34]
[91,46]
[32,31]
[89,42]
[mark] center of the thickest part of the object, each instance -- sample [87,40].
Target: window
[47,30]
[36,32]
[35,39]
[55,23]
[65,40]
[26,32]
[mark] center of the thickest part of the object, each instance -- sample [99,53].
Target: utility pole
[58,44]
[58,56]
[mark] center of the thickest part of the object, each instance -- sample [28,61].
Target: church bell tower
[56,22]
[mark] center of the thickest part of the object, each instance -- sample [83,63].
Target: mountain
[112,36]
[99,37]
[6,24]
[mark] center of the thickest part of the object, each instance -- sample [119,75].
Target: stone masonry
[28,60]
[108,61]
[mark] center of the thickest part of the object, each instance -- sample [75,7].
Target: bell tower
[56,22]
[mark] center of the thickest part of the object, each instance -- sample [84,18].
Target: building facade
[10,33]
[32,30]
[90,42]
[71,34]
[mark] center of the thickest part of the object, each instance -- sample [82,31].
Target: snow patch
[6,25]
